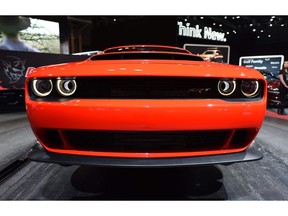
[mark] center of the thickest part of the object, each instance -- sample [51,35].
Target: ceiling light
[220,25]
[254,30]
[271,25]
[258,36]
[269,35]
[237,17]
[201,17]
[282,25]
[225,17]
[273,17]
[251,24]
[262,30]
[214,23]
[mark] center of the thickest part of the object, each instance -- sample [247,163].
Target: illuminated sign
[209,52]
[271,63]
[197,32]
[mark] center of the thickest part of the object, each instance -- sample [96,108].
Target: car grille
[146,87]
[145,141]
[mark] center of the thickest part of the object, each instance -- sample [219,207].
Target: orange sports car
[145,106]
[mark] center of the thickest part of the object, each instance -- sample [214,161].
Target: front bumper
[146,115]
[39,154]
[89,116]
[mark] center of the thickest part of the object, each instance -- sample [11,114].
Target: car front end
[145,112]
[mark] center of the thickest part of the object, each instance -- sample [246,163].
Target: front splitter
[39,154]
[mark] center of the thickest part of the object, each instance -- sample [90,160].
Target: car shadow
[193,183]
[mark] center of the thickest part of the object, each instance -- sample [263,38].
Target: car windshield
[144,55]
[146,49]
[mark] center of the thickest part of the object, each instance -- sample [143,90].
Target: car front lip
[39,154]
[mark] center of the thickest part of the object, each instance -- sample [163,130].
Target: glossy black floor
[259,180]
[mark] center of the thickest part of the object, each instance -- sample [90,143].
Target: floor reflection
[194,183]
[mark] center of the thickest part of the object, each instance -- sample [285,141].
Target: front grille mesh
[118,141]
[146,87]
[146,141]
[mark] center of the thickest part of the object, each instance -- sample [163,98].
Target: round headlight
[249,88]
[42,87]
[66,87]
[226,87]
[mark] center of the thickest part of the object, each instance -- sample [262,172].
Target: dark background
[87,33]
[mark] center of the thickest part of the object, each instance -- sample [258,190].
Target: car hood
[146,68]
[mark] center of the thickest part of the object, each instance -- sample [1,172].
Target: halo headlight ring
[249,88]
[226,87]
[42,87]
[66,87]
